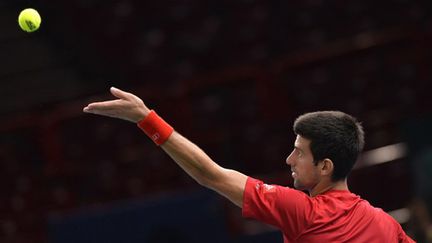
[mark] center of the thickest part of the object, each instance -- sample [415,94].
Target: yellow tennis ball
[29,20]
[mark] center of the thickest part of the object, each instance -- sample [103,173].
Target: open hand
[127,107]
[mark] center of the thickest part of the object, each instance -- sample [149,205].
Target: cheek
[314,175]
[309,170]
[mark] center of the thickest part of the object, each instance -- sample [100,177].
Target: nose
[289,159]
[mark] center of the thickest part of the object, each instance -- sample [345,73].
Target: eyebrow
[301,150]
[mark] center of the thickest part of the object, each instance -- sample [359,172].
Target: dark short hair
[334,135]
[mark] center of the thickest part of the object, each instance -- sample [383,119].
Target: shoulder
[390,222]
[386,222]
[283,207]
[275,196]
[258,187]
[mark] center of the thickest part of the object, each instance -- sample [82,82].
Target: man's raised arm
[187,155]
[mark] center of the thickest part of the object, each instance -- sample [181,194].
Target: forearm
[204,170]
[192,159]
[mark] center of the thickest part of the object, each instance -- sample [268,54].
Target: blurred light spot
[383,155]
[401,215]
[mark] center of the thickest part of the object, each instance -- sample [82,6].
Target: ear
[327,167]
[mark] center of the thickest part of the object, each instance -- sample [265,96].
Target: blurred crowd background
[229,75]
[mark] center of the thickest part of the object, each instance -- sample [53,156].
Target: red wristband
[156,128]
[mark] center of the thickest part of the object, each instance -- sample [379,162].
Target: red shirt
[334,216]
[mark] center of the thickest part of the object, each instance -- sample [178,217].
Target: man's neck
[327,186]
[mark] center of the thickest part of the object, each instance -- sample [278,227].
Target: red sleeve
[283,207]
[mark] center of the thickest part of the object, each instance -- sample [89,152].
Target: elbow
[210,177]
[205,182]
[208,182]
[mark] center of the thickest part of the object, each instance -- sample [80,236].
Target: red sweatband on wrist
[155,127]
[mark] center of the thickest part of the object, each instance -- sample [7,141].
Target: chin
[298,185]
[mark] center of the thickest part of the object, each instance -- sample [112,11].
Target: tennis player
[325,150]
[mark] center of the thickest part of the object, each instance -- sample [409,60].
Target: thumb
[118,93]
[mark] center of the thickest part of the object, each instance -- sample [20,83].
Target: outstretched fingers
[104,106]
[110,113]
[112,108]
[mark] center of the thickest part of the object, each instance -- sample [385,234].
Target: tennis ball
[29,20]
